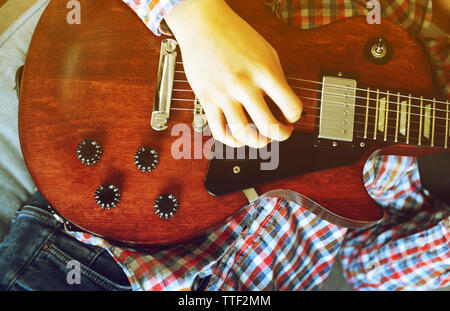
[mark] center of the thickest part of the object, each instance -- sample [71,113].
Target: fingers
[229,123]
[277,88]
[262,116]
[240,127]
[229,111]
[217,124]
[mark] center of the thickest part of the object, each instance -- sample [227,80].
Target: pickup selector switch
[146,159]
[166,206]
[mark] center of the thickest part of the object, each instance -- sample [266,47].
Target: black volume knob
[89,152]
[166,206]
[146,159]
[107,196]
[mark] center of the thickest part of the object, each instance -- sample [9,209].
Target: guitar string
[380,135]
[436,139]
[304,122]
[373,91]
[311,107]
[339,86]
[360,97]
[335,103]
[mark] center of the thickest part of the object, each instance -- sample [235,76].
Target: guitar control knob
[89,152]
[107,196]
[166,206]
[146,159]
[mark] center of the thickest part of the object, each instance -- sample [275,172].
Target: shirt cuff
[428,12]
[152,13]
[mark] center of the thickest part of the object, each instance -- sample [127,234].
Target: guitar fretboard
[398,118]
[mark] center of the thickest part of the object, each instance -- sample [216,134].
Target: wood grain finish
[97,80]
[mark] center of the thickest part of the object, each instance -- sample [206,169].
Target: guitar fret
[376,115]
[367,112]
[409,119]
[446,127]
[420,124]
[439,120]
[434,122]
[397,118]
[396,121]
[403,116]
[427,121]
[381,114]
[386,119]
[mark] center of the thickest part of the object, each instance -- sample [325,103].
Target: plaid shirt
[275,244]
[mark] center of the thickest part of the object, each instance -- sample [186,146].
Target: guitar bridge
[337,111]
[164,85]
[200,122]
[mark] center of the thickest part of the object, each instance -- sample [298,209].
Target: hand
[230,67]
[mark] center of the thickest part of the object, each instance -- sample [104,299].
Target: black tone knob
[89,152]
[166,206]
[146,159]
[107,196]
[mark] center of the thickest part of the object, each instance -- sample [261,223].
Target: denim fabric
[37,254]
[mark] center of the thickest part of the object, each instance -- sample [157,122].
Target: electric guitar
[117,142]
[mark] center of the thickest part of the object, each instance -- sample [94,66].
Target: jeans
[38,255]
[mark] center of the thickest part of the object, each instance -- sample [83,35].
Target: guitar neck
[387,116]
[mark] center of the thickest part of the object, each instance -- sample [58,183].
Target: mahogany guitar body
[97,80]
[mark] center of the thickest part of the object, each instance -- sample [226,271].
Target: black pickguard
[301,154]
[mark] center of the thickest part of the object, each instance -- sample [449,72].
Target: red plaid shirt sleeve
[152,13]
[412,15]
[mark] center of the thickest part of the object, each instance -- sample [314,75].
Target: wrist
[191,16]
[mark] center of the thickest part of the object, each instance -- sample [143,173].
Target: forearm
[194,14]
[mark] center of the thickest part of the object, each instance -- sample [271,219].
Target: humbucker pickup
[337,111]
